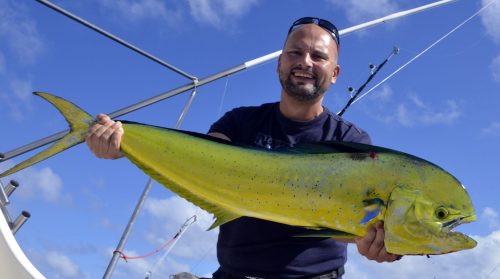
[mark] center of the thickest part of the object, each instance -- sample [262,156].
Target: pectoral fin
[372,208]
[222,217]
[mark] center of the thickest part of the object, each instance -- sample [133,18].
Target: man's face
[308,64]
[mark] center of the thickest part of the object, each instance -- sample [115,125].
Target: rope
[175,238]
[179,234]
[425,50]
[126,258]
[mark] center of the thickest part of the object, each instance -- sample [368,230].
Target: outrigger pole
[114,38]
[246,65]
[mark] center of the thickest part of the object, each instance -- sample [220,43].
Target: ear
[336,73]
[279,64]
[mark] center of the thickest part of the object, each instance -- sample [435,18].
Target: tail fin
[79,122]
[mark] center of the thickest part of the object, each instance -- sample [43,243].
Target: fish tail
[79,122]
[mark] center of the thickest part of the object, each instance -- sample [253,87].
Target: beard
[301,91]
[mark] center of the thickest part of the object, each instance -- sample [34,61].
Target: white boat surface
[14,262]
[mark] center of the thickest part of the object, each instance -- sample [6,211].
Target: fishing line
[173,241]
[170,243]
[425,50]
[223,96]
[202,259]
[494,268]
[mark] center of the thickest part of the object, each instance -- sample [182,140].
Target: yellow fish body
[335,189]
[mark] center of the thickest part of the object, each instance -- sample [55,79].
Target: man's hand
[104,138]
[372,245]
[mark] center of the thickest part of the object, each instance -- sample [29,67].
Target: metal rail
[126,233]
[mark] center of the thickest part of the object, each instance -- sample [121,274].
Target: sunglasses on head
[323,23]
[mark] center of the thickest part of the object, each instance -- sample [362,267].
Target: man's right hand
[104,138]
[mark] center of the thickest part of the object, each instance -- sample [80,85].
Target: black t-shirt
[254,247]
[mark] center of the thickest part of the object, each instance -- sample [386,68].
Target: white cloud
[41,182]
[361,10]
[490,216]
[197,240]
[384,94]
[22,89]
[196,244]
[19,31]
[479,262]
[492,130]
[62,267]
[37,183]
[193,252]
[218,12]
[133,10]
[417,112]
[411,112]
[495,68]
[18,98]
[491,20]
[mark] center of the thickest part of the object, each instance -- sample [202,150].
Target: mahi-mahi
[336,189]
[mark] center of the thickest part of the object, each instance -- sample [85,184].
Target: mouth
[450,225]
[303,76]
[462,241]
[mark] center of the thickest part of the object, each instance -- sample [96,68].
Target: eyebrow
[323,54]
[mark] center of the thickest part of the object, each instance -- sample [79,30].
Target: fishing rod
[246,65]
[373,72]
[426,50]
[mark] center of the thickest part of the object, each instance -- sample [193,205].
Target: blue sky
[443,107]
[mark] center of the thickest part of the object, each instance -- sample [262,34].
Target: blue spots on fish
[372,208]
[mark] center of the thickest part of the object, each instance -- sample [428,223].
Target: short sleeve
[355,134]
[226,125]
[360,137]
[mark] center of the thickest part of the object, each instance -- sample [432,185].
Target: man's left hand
[372,245]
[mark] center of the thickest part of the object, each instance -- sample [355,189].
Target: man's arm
[219,135]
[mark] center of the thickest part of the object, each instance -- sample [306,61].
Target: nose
[305,61]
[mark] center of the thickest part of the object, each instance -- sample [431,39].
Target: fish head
[421,221]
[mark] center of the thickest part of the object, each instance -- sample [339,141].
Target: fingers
[364,243]
[104,138]
[372,245]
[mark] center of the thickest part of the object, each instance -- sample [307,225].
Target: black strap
[337,273]
[334,274]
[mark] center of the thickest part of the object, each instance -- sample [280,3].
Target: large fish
[335,189]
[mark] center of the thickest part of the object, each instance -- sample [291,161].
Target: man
[249,247]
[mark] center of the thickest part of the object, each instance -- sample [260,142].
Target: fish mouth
[461,241]
[464,241]
[450,225]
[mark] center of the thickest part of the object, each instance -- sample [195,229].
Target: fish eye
[441,212]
